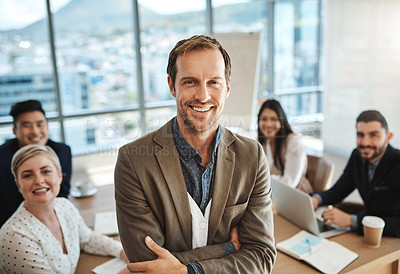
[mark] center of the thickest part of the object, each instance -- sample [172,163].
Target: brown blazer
[151,199]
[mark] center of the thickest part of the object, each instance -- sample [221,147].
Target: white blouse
[28,246]
[295,161]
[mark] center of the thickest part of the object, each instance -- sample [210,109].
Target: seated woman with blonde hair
[46,234]
[284,150]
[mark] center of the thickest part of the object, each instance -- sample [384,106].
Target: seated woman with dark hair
[46,234]
[284,150]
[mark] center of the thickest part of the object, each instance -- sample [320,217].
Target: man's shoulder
[392,155]
[355,161]
[239,143]
[355,154]
[394,151]
[235,138]
[8,149]
[10,144]
[58,146]
[160,136]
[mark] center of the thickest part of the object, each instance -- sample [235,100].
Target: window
[95,55]
[162,24]
[97,133]
[296,63]
[245,16]
[296,44]
[110,60]
[25,57]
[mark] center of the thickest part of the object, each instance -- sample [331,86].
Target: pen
[309,245]
[113,235]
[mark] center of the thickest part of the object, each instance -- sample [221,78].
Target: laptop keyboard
[323,227]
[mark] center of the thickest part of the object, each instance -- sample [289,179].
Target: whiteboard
[244,50]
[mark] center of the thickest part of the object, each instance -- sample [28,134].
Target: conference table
[384,259]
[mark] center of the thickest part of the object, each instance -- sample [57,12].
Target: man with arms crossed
[192,197]
[30,127]
[374,169]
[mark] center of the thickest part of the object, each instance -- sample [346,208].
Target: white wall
[361,65]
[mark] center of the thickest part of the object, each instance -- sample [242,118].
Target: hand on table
[165,263]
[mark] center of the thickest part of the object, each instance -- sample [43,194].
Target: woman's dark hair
[282,134]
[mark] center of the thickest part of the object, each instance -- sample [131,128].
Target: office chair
[319,173]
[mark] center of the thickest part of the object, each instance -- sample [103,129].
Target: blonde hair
[29,151]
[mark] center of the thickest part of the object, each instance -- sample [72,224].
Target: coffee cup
[373,228]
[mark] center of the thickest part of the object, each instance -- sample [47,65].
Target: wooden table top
[369,259]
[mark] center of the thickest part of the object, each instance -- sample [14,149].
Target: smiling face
[269,123]
[372,140]
[200,90]
[31,128]
[38,180]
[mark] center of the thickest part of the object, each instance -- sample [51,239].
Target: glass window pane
[25,60]
[245,16]
[163,23]
[6,133]
[99,133]
[155,118]
[55,131]
[296,44]
[95,54]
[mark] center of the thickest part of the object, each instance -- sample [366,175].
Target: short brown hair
[29,151]
[196,42]
[373,115]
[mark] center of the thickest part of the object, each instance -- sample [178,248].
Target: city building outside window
[99,67]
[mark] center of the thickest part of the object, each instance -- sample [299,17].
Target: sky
[15,14]
[177,6]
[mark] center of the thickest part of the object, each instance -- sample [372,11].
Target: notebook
[296,206]
[326,256]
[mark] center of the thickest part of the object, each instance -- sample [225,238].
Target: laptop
[296,206]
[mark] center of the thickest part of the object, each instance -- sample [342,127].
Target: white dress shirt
[28,246]
[199,223]
[295,161]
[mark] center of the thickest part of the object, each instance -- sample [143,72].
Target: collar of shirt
[371,168]
[186,151]
[366,162]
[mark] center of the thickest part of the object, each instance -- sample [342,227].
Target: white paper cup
[373,228]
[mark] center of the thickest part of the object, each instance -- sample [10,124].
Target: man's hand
[165,263]
[235,238]
[123,256]
[334,216]
[315,202]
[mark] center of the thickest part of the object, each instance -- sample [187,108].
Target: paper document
[112,266]
[106,223]
[327,256]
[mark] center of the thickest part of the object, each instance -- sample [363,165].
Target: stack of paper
[110,267]
[106,223]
